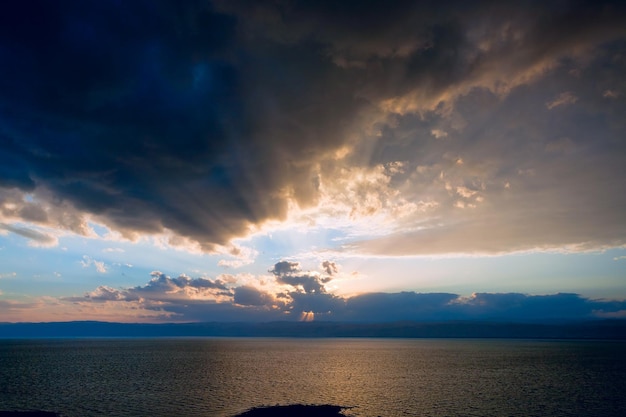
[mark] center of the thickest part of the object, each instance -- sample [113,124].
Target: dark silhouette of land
[299,410]
[597,329]
[295,410]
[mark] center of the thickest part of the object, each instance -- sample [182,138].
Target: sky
[166,161]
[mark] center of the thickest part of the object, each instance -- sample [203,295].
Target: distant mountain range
[600,329]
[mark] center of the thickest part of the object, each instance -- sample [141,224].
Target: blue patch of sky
[294,244]
[595,274]
[99,229]
[60,270]
[71,264]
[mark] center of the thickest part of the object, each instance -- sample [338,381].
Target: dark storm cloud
[330,306]
[285,267]
[290,273]
[380,307]
[520,306]
[202,311]
[399,306]
[398,47]
[106,104]
[155,115]
[308,283]
[205,118]
[330,267]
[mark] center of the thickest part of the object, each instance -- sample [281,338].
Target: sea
[375,377]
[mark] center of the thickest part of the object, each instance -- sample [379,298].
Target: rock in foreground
[295,410]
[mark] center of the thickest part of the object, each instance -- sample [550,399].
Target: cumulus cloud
[165,298]
[285,267]
[162,288]
[330,268]
[303,295]
[180,298]
[518,307]
[50,309]
[306,283]
[99,265]
[104,293]
[515,306]
[307,295]
[310,282]
[323,306]
[399,306]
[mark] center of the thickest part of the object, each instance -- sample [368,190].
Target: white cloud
[99,265]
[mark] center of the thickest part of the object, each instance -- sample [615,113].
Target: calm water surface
[380,377]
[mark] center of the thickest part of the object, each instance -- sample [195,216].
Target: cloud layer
[292,294]
[456,127]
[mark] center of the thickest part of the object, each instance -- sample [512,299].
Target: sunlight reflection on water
[381,377]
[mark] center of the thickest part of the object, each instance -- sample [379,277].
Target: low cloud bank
[298,295]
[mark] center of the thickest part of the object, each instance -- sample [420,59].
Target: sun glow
[307,316]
